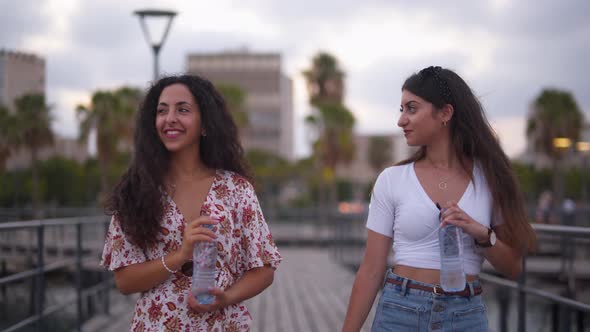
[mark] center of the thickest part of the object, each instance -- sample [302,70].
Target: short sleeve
[118,251]
[381,210]
[257,247]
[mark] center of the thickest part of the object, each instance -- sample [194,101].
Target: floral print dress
[244,242]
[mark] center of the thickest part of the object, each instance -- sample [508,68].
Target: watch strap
[486,244]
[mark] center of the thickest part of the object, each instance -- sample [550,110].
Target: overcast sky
[506,50]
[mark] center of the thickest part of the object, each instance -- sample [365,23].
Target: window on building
[264,119]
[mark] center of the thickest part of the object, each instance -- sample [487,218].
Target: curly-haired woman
[187,171]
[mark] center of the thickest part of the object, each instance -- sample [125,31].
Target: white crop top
[401,209]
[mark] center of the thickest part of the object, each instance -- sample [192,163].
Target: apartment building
[269,95]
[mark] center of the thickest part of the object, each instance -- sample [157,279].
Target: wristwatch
[490,242]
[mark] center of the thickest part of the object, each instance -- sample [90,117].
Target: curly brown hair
[137,200]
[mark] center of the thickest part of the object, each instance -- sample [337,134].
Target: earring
[445,123]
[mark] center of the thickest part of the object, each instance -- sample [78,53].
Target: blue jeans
[406,309]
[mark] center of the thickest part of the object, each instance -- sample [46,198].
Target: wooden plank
[310,293]
[311,289]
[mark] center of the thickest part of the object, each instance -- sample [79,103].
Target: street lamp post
[153,41]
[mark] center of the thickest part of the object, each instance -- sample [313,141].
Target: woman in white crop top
[460,166]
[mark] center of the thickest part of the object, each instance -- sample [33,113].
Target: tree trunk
[104,180]
[35,195]
[333,198]
[557,180]
[322,208]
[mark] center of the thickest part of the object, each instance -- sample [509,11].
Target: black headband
[443,87]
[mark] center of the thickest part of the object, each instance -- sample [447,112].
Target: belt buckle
[437,290]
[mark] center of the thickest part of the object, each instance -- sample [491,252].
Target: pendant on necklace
[442,185]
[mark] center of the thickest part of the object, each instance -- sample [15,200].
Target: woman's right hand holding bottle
[194,232]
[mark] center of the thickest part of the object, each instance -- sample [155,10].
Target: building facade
[20,74]
[269,95]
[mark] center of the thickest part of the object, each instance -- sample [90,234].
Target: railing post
[3,273]
[342,224]
[335,241]
[522,298]
[503,305]
[566,319]
[79,275]
[555,317]
[40,295]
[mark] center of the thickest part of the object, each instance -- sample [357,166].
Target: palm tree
[33,123]
[235,97]
[110,114]
[8,133]
[332,121]
[325,80]
[335,143]
[554,113]
[270,171]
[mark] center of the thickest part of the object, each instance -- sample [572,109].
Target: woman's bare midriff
[428,276]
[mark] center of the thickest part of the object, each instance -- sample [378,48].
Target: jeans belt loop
[437,290]
[471,290]
[404,287]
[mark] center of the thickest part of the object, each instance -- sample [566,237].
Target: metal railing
[349,240]
[38,272]
[561,319]
[347,231]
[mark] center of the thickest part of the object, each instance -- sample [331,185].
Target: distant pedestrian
[568,212]
[460,165]
[187,171]
[545,208]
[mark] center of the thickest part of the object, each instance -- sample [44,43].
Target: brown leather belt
[437,289]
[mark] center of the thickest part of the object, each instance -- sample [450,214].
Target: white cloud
[56,38]
[499,5]
[497,46]
[223,17]
[374,118]
[511,131]
[378,34]
[66,100]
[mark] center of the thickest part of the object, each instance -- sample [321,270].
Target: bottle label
[451,242]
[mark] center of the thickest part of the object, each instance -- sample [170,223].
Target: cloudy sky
[506,50]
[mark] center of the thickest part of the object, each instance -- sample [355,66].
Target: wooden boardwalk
[310,293]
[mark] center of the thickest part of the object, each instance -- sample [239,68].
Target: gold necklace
[443,183]
[172,185]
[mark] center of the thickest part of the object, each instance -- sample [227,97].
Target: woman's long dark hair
[473,138]
[137,199]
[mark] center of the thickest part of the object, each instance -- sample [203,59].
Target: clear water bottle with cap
[450,241]
[204,270]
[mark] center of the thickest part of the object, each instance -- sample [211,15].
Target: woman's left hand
[454,215]
[221,301]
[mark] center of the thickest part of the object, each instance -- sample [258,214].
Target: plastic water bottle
[204,270]
[452,275]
